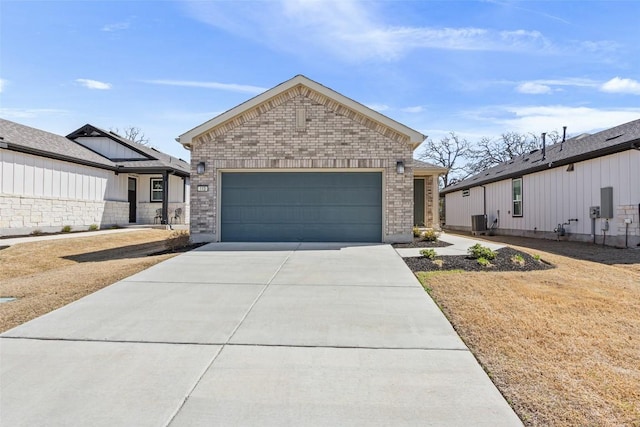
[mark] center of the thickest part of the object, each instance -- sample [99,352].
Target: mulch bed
[178,250]
[419,243]
[502,262]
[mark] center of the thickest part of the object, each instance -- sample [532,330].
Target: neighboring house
[587,189]
[301,162]
[92,176]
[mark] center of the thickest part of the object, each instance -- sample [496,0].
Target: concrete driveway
[250,334]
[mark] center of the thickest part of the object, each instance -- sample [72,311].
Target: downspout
[165,197]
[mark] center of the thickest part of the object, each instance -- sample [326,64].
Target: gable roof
[25,139]
[154,159]
[30,140]
[580,148]
[256,106]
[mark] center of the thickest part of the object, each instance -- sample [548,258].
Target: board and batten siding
[28,175]
[109,148]
[554,196]
[176,188]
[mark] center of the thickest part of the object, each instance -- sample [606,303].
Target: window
[516,187]
[157,190]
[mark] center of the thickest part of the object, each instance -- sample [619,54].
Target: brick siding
[334,137]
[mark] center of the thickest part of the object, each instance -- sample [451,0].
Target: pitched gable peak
[300,85]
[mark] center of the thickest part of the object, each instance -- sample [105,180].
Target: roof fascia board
[545,166]
[415,137]
[106,134]
[50,155]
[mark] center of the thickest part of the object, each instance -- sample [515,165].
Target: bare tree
[134,134]
[451,152]
[489,152]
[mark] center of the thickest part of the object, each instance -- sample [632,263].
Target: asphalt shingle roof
[419,164]
[36,140]
[580,148]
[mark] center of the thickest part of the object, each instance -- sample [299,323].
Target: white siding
[458,209]
[108,147]
[554,196]
[26,175]
[176,188]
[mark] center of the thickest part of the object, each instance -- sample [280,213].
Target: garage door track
[250,334]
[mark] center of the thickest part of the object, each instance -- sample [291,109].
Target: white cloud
[416,109]
[618,85]
[545,118]
[118,26]
[232,87]
[26,113]
[94,84]
[351,29]
[533,88]
[546,86]
[3,84]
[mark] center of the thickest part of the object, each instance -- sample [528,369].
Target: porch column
[165,197]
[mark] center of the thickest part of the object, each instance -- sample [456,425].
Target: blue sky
[479,68]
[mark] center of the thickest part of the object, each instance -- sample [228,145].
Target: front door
[418,202]
[133,199]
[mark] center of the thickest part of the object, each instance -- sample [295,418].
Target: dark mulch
[179,250]
[419,243]
[502,262]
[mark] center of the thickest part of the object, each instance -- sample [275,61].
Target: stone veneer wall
[333,137]
[633,229]
[429,219]
[22,215]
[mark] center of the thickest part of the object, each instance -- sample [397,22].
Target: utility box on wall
[606,202]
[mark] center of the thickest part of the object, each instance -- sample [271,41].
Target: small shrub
[93,227]
[537,257]
[416,232]
[479,251]
[517,259]
[438,262]
[428,253]
[66,229]
[430,236]
[482,261]
[37,232]
[178,240]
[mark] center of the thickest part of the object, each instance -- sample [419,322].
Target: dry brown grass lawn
[50,274]
[562,345]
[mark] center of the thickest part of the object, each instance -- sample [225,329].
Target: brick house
[301,162]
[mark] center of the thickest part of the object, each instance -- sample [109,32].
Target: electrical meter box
[594,212]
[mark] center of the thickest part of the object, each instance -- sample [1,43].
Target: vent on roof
[154,149]
[614,137]
[526,160]
[533,151]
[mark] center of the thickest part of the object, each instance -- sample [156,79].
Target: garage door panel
[301,206]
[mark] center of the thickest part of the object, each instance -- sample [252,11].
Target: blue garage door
[301,207]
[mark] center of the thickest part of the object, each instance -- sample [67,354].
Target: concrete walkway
[250,334]
[28,239]
[459,246]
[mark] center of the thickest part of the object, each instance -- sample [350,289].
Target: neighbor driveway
[250,334]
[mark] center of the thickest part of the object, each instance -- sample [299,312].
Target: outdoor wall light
[200,168]
[400,166]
